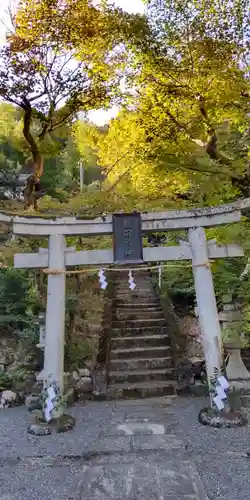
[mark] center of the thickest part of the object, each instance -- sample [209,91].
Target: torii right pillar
[211,333]
[206,304]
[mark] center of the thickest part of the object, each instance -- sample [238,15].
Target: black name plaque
[127,238]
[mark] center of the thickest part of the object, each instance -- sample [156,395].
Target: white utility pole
[81,170]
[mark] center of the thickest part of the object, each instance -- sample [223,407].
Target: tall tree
[50,75]
[190,92]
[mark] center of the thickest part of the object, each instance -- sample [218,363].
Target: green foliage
[18,299]
[85,141]
[226,275]
[181,138]
[62,152]
[238,332]
[11,151]
[5,382]
[179,281]
[231,334]
[76,353]
[29,335]
[20,375]
[66,63]
[39,68]
[245,326]
[83,322]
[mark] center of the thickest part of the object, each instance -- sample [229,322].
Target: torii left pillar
[55,313]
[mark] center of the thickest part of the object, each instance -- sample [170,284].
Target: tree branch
[118,180]
[26,128]
[117,161]
[47,123]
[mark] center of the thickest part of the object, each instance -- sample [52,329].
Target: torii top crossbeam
[154,221]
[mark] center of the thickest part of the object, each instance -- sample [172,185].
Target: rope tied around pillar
[53,271]
[205,264]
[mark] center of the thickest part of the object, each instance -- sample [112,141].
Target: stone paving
[144,459]
[146,449]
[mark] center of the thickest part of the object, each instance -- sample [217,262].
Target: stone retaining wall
[189,327]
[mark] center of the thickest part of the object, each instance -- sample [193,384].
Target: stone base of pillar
[38,427]
[222,419]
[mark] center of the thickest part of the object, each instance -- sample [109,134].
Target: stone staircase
[140,363]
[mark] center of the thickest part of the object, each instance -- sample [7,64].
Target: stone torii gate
[57,257]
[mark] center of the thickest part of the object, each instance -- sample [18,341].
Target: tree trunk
[32,189]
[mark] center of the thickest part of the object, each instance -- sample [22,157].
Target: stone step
[143,314]
[137,332]
[136,293]
[142,341]
[121,377]
[138,309]
[139,284]
[141,352]
[145,363]
[138,288]
[138,304]
[131,299]
[141,390]
[135,296]
[140,278]
[138,323]
[137,280]
[137,277]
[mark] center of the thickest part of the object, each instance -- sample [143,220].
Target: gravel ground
[219,454]
[32,468]
[25,473]
[16,442]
